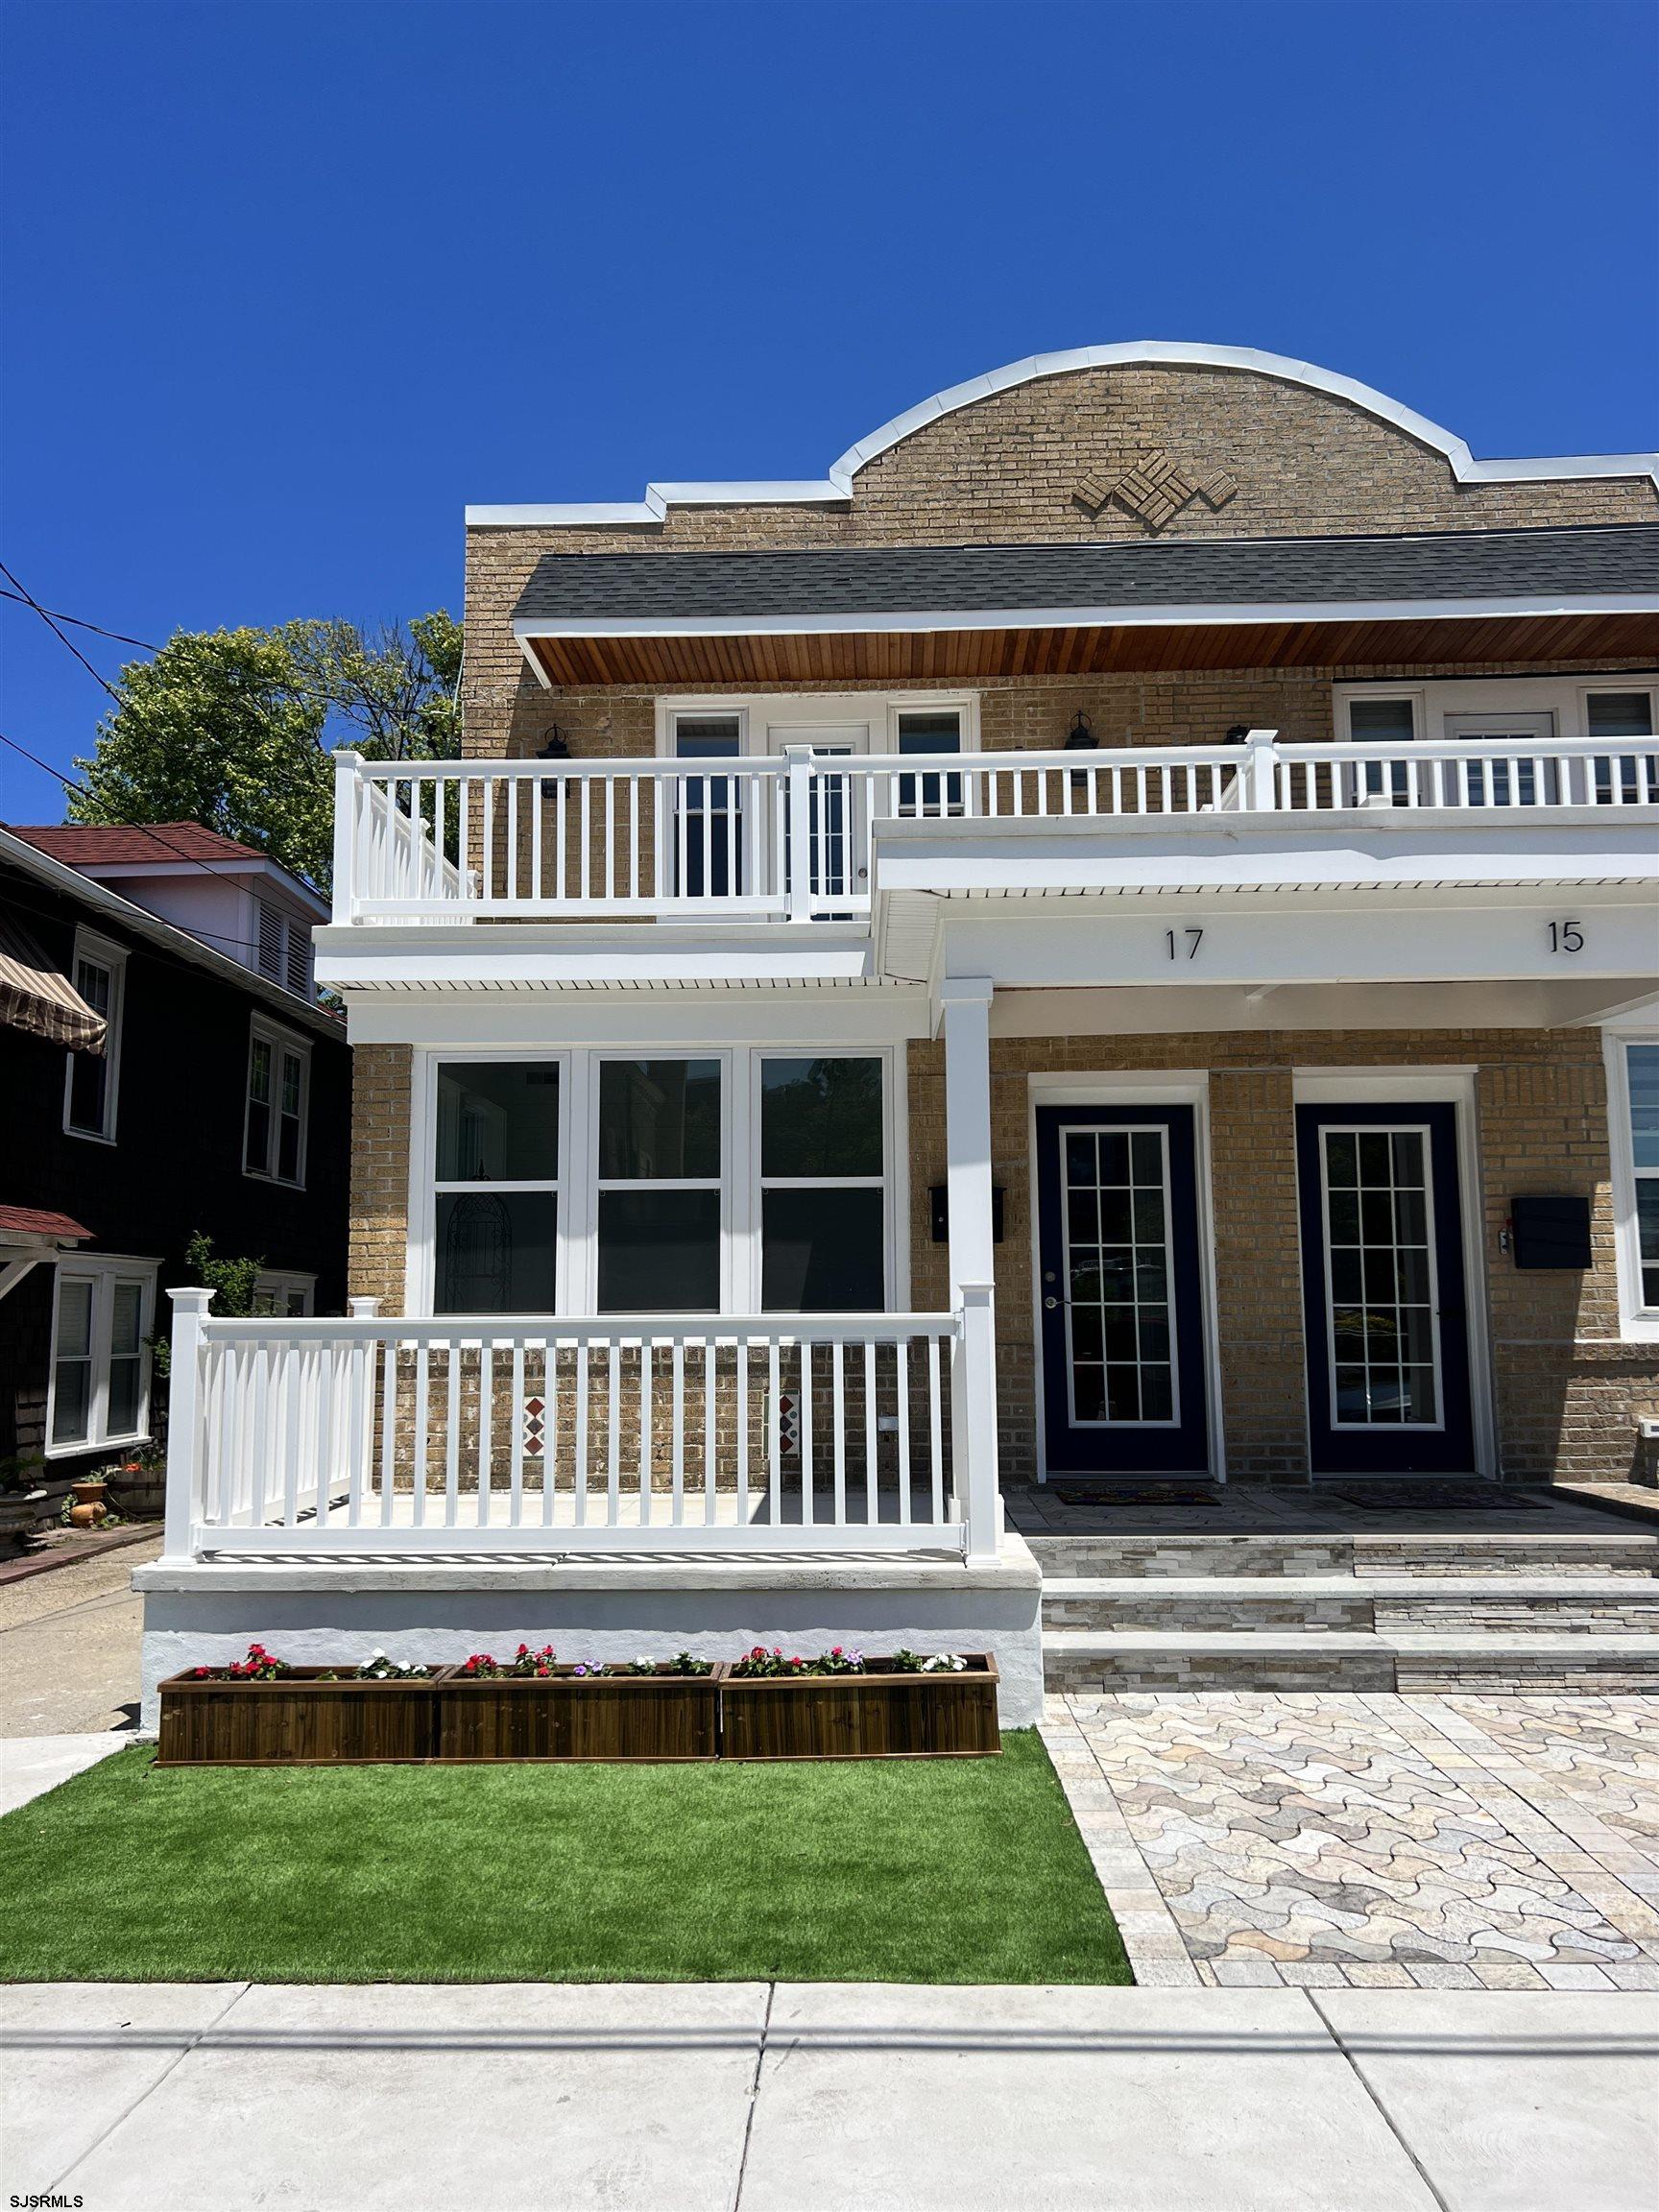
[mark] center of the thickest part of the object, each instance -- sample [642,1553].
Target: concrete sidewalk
[830,2098]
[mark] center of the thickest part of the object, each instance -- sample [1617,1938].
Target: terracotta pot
[92,1503]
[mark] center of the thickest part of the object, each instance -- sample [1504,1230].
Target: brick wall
[1567,1392]
[380,1079]
[1004,471]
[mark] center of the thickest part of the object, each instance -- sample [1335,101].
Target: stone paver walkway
[1379,1842]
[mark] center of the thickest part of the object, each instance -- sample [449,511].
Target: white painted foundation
[205,1614]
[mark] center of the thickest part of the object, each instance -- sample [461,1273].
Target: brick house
[1111,937]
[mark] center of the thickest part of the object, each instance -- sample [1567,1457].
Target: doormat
[1390,1497]
[1139,1493]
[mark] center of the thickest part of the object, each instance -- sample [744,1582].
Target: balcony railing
[790,839]
[799,1433]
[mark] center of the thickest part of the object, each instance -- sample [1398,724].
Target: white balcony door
[838,820]
[1502,783]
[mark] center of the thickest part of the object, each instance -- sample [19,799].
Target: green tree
[234,728]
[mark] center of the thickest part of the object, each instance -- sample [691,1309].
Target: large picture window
[495,1186]
[598,1182]
[659,1186]
[823,1205]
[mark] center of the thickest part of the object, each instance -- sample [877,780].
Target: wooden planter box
[297,1721]
[875,1714]
[568,1715]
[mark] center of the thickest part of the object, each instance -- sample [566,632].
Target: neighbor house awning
[39,999]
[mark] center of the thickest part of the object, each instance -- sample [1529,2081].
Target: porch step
[1408,1553]
[1085,1659]
[1599,1604]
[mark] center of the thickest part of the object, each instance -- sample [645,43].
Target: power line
[63,639]
[79,622]
[154,830]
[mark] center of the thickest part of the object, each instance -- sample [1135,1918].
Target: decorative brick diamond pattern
[1155,490]
[535,1428]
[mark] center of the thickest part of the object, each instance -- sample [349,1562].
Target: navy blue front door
[1120,1300]
[1384,1299]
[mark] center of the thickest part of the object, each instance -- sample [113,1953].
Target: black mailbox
[940,1203]
[1551,1232]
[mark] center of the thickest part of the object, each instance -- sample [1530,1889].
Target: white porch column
[966,1020]
[186,1455]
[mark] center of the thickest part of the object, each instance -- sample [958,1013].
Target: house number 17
[1173,939]
[1566,937]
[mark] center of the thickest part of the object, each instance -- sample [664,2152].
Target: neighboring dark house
[164,1068]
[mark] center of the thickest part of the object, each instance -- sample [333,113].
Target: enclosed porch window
[594,1182]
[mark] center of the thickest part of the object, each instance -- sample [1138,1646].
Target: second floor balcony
[810,837]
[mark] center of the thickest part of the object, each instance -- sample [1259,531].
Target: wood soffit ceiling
[960,656]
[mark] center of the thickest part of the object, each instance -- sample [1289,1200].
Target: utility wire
[79,622]
[154,830]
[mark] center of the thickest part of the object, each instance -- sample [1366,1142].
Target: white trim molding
[836,488]
[1638,1321]
[1152,1087]
[1440,1085]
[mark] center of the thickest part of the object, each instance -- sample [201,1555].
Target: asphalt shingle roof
[1234,572]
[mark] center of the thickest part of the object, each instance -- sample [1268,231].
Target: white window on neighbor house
[279,1097]
[283,950]
[92,1080]
[745,1180]
[1633,1109]
[281,1290]
[103,1317]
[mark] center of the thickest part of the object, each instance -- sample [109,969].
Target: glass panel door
[1383,1297]
[1120,1308]
[1492,782]
[837,821]
[709,851]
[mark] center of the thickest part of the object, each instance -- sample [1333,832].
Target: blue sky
[286,285]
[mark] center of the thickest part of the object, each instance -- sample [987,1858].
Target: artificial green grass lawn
[901,1870]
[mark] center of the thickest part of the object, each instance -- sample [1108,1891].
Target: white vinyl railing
[754,1433]
[790,837]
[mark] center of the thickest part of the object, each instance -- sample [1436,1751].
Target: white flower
[944,1663]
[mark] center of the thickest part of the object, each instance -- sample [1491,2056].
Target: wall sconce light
[1081,738]
[1239,732]
[555,746]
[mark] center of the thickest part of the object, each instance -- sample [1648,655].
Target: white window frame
[1433,701]
[1329,1303]
[100,953]
[280,1041]
[1638,1321]
[595,1187]
[1100,1093]
[760,712]
[280,1285]
[103,1270]
[759,1183]
[576,1265]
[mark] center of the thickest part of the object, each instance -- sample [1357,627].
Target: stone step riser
[1517,1615]
[1156,1559]
[1577,1674]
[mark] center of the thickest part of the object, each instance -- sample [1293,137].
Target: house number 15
[1566,937]
[1175,938]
